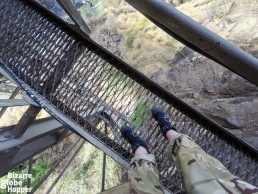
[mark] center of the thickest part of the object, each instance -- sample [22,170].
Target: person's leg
[200,172]
[143,176]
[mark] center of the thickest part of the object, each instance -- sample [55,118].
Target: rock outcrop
[218,93]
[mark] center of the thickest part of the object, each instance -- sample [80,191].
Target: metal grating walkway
[75,79]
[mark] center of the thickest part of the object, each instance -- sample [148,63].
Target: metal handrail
[199,38]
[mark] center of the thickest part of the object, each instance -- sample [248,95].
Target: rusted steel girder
[198,37]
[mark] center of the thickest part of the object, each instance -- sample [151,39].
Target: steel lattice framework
[77,81]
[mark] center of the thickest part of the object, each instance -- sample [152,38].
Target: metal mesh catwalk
[80,80]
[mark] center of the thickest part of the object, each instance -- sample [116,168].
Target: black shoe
[133,139]
[163,120]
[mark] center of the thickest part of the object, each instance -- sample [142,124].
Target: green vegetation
[85,172]
[88,12]
[184,1]
[88,164]
[40,167]
[137,115]
[142,23]
[129,40]
[141,43]
[3,191]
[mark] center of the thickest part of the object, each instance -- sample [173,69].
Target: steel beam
[104,166]
[14,157]
[36,130]
[71,10]
[14,94]
[4,73]
[64,133]
[16,91]
[13,102]
[6,88]
[29,172]
[26,120]
[199,38]
[39,136]
[28,99]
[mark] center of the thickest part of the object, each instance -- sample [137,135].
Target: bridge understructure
[90,92]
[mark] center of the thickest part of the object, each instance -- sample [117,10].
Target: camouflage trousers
[143,177]
[200,172]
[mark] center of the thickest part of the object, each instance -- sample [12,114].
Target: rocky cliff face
[215,91]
